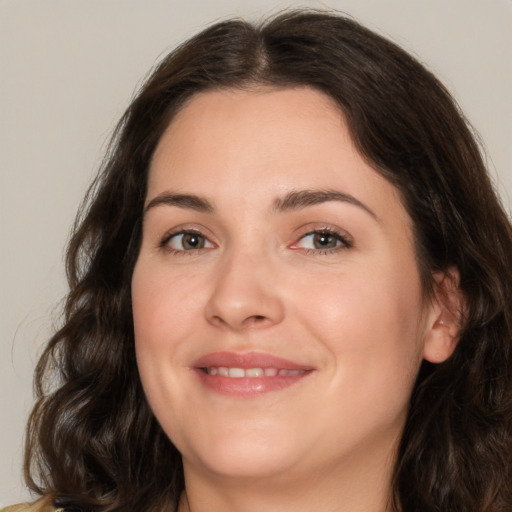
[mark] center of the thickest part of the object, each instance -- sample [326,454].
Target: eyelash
[164,243]
[345,242]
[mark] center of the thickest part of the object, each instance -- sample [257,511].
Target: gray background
[68,70]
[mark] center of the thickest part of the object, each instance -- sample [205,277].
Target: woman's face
[279,316]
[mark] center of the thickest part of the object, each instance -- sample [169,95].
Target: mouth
[248,374]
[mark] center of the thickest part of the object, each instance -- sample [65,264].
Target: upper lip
[247,360]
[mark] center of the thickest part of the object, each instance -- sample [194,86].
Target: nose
[245,294]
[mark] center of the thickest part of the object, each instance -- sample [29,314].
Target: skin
[354,313]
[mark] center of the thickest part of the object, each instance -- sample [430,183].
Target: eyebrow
[187,201]
[295,200]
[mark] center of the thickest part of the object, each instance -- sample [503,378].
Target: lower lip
[248,386]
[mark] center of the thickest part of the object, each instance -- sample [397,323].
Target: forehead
[236,121]
[262,144]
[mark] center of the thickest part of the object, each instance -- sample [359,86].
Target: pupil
[324,240]
[192,241]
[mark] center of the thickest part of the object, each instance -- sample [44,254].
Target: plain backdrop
[68,70]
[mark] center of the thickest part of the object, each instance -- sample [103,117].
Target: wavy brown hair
[92,441]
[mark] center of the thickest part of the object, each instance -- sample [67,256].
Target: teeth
[289,372]
[254,372]
[238,373]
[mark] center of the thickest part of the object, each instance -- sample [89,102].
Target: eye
[323,240]
[186,241]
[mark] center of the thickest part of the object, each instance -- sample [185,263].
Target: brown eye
[192,241]
[188,241]
[324,241]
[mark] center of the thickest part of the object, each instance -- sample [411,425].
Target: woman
[290,289]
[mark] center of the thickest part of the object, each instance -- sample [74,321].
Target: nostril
[258,318]
[255,320]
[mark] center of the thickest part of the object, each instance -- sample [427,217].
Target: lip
[248,386]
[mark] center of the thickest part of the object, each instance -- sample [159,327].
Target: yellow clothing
[41,505]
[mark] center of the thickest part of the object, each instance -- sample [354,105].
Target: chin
[243,456]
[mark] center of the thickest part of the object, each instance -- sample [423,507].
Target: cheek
[164,305]
[371,321]
[164,316]
[382,300]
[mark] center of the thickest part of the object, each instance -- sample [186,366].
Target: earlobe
[446,316]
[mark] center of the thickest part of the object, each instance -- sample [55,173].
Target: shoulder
[42,505]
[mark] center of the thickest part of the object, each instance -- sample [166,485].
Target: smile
[240,373]
[248,374]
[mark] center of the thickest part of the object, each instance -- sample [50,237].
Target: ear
[445,318]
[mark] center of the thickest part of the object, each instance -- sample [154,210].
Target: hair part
[407,126]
